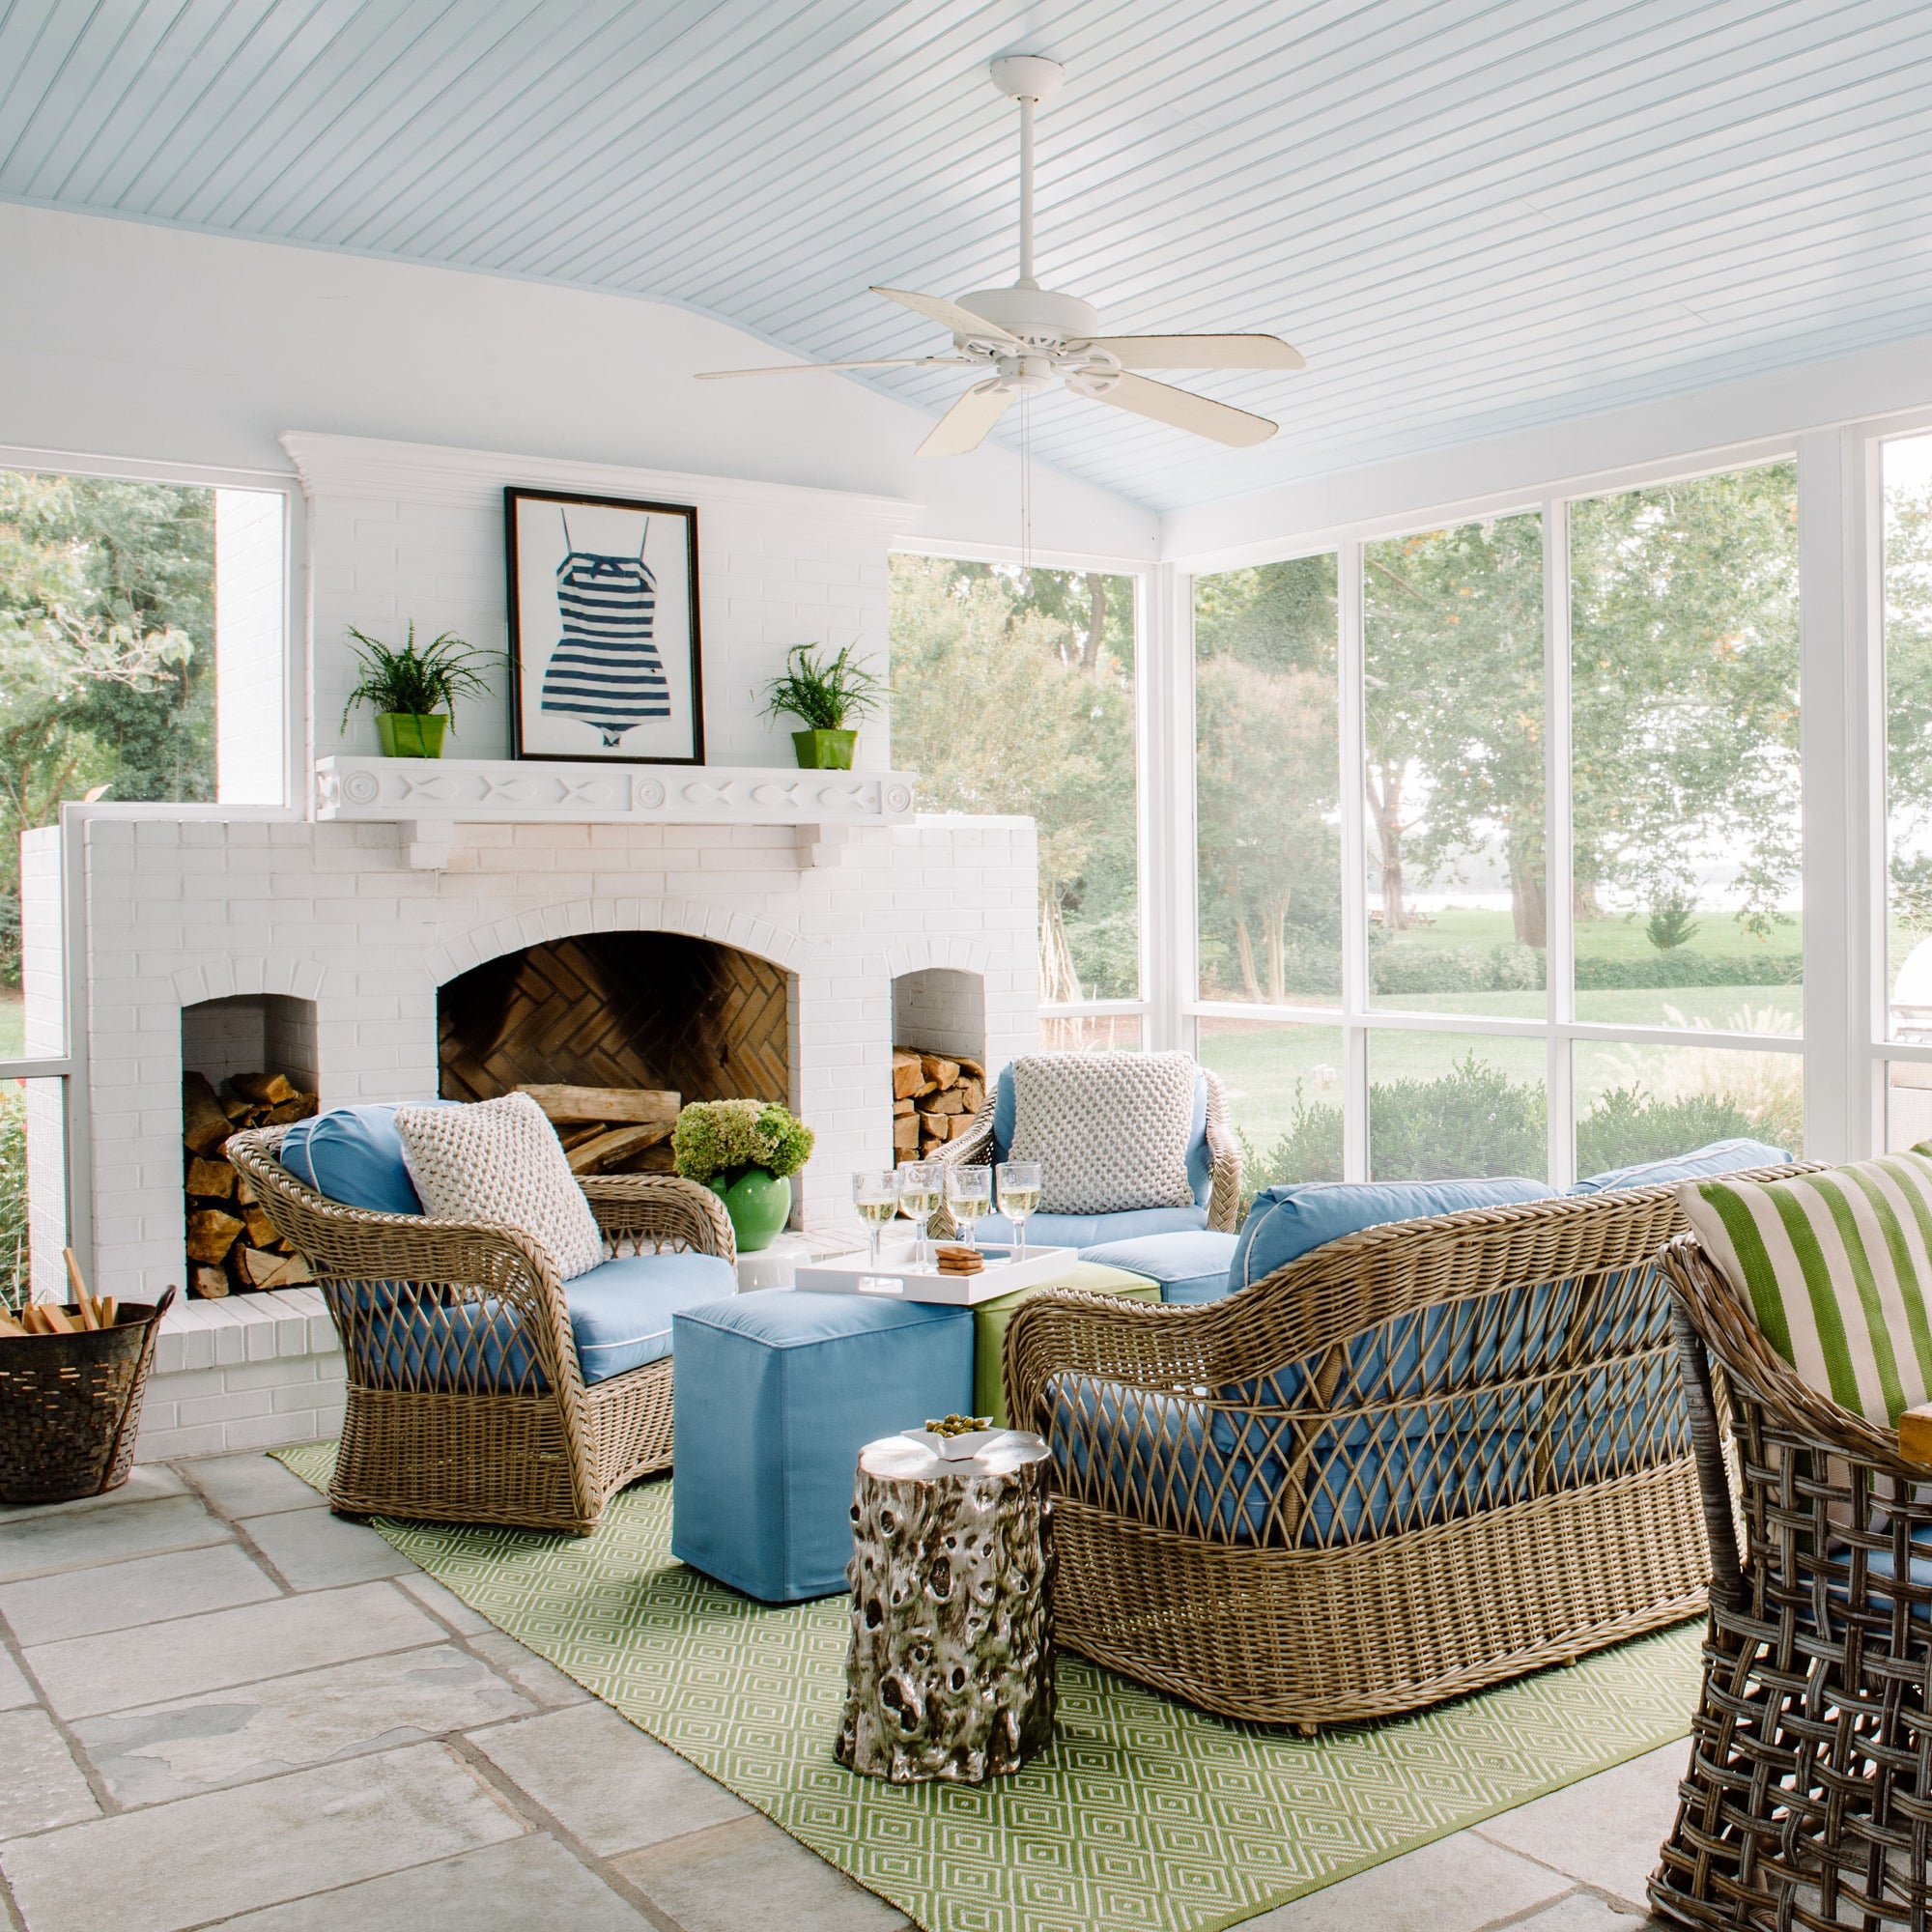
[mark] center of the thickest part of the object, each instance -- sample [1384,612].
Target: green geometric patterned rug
[1146,1817]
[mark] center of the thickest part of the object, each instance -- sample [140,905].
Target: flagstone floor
[408,1768]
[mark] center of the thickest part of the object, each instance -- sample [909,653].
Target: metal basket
[70,1406]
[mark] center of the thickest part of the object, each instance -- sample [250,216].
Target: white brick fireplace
[328,931]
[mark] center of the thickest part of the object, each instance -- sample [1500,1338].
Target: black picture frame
[608,665]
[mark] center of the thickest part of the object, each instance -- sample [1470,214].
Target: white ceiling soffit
[1471,218]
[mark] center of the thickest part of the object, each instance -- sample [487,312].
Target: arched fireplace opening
[621,1013]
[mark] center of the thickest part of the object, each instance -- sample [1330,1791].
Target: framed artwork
[604,660]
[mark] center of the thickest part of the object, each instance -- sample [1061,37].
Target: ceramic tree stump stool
[950,1674]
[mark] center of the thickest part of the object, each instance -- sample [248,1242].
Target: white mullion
[1349,662]
[1559,868]
[1173,919]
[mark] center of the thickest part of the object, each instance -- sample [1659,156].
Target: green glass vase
[824,751]
[759,1204]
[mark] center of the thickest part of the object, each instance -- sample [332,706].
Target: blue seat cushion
[620,1318]
[1288,1221]
[355,1156]
[620,1313]
[1084,1231]
[1731,1156]
[1190,1264]
[1200,1162]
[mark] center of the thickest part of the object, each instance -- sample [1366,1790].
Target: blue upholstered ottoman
[777,1394]
[1191,1264]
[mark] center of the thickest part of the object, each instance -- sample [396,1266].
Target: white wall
[250,650]
[126,339]
[1713,428]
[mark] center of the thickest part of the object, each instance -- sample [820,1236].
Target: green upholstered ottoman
[991,1319]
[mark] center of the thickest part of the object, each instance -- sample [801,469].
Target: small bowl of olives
[956,1438]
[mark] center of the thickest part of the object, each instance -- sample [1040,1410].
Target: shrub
[1626,1125]
[1475,1120]
[720,1139]
[13,1193]
[1679,968]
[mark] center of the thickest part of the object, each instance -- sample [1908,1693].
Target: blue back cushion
[1199,1163]
[1719,1157]
[355,1156]
[1287,1222]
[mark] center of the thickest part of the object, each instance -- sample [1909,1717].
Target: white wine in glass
[875,1193]
[920,1183]
[969,1194]
[1021,1184]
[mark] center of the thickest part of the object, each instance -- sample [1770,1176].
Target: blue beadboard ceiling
[1471,218]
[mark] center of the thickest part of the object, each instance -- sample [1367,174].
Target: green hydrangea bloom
[716,1138]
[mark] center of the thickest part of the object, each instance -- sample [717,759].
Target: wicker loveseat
[1418,1459]
[466,1399]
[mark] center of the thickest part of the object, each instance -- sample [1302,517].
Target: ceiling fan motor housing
[1040,317]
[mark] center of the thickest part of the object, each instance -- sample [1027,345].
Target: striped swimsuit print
[606,670]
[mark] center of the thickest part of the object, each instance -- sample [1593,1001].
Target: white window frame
[1828,1118]
[1152,741]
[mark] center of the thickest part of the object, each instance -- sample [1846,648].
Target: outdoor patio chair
[469,1398]
[1213,1165]
[1809,1801]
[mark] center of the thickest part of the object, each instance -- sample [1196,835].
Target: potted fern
[822,693]
[414,692]
[746,1151]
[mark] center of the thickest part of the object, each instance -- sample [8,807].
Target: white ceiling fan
[1027,338]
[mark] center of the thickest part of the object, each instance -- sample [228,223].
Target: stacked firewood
[934,1099]
[611,1129]
[232,1244]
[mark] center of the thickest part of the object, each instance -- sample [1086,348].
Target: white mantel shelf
[434,796]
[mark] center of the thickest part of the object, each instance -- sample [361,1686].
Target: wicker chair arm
[1724,1323]
[1224,1154]
[1064,1331]
[973,1149]
[662,1209]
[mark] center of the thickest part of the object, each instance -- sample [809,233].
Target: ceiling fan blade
[1180,409]
[949,315]
[1198,352]
[872,362]
[965,425]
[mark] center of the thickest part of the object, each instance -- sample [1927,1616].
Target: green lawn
[1718,934]
[13,1024]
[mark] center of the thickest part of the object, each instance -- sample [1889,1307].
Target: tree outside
[106,691]
[1013,692]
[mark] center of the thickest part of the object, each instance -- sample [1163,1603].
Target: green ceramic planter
[759,1204]
[404,735]
[824,751]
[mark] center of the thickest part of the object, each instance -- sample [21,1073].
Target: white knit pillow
[1110,1130]
[500,1160]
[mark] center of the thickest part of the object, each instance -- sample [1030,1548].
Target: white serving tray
[896,1278]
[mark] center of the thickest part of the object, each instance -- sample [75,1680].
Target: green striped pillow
[1836,1265]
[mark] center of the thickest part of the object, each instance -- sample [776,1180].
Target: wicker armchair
[1416,1460]
[976,1146]
[466,1402]
[1808,1797]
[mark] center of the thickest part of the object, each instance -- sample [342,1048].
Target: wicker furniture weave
[1808,1797]
[1416,1460]
[465,1403]
[975,1148]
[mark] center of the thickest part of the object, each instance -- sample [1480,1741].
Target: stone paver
[314,1550]
[84,1676]
[146,1590]
[255,1730]
[251,1485]
[321,1737]
[604,1780]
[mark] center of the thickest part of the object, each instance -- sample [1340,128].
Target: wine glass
[1020,1183]
[920,1185]
[969,1193]
[875,1193]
